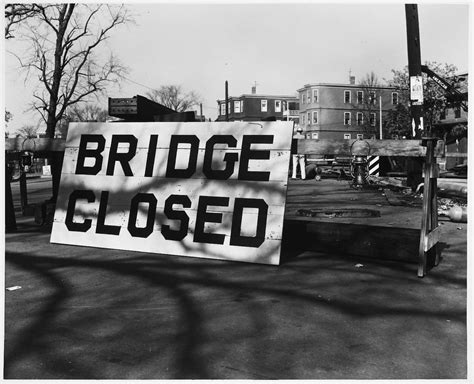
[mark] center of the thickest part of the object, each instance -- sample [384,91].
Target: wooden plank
[353,239]
[267,253]
[409,148]
[432,238]
[456,154]
[203,131]
[206,219]
[279,162]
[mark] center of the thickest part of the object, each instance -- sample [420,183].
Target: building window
[373,119]
[394,98]
[315,117]
[228,107]
[360,97]
[457,112]
[315,96]
[315,135]
[347,118]
[347,136]
[304,98]
[347,97]
[237,108]
[372,97]
[360,136]
[309,96]
[263,105]
[302,119]
[277,105]
[223,109]
[360,118]
[308,136]
[309,117]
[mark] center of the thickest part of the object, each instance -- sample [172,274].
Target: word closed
[213,190]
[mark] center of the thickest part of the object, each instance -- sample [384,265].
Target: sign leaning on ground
[212,190]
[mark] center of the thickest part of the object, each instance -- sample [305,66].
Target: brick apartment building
[255,107]
[343,111]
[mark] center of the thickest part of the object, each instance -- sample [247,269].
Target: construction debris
[339,212]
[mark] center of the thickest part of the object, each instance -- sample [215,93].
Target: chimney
[352,80]
[254,90]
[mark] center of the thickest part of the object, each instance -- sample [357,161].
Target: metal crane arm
[450,90]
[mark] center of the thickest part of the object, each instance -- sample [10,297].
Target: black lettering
[71,207]
[171,170]
[150,159]
[101,226]
[122,157]
[81,169]
[249,241]
[247,154]
[203,216]
[229,158]
[145,231]
[166,231]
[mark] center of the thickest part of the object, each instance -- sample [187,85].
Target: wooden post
[10,220]
[429,234]
[23,192]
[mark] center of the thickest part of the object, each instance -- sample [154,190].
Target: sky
[280,46]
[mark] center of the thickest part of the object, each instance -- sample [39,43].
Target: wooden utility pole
[226,101]
[414,68]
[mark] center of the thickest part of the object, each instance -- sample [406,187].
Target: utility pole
[414,165]
[414,68]
[200,112]
[226,101]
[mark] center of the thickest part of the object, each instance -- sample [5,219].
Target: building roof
[259,96]
[339,85]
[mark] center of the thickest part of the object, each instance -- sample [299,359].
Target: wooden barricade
[426,148]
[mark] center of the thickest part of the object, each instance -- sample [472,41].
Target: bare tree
[434,104]
[28,132]
[64,54]
[173,96]
[87,112]
[366,103]
[16,14]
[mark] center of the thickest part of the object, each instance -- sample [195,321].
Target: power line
[135,82]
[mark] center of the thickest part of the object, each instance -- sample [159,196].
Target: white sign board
[416,89]
[46,170]
[212,190]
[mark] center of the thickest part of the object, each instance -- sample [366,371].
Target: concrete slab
[87,313]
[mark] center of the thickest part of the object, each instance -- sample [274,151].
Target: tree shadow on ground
[199,315]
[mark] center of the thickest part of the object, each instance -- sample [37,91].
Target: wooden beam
[35,145]
[456,154]
[408,148]
[432,238]
[388,243]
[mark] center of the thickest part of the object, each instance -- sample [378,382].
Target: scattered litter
[14,288]
[359,265]
[459,228]
[379,205]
